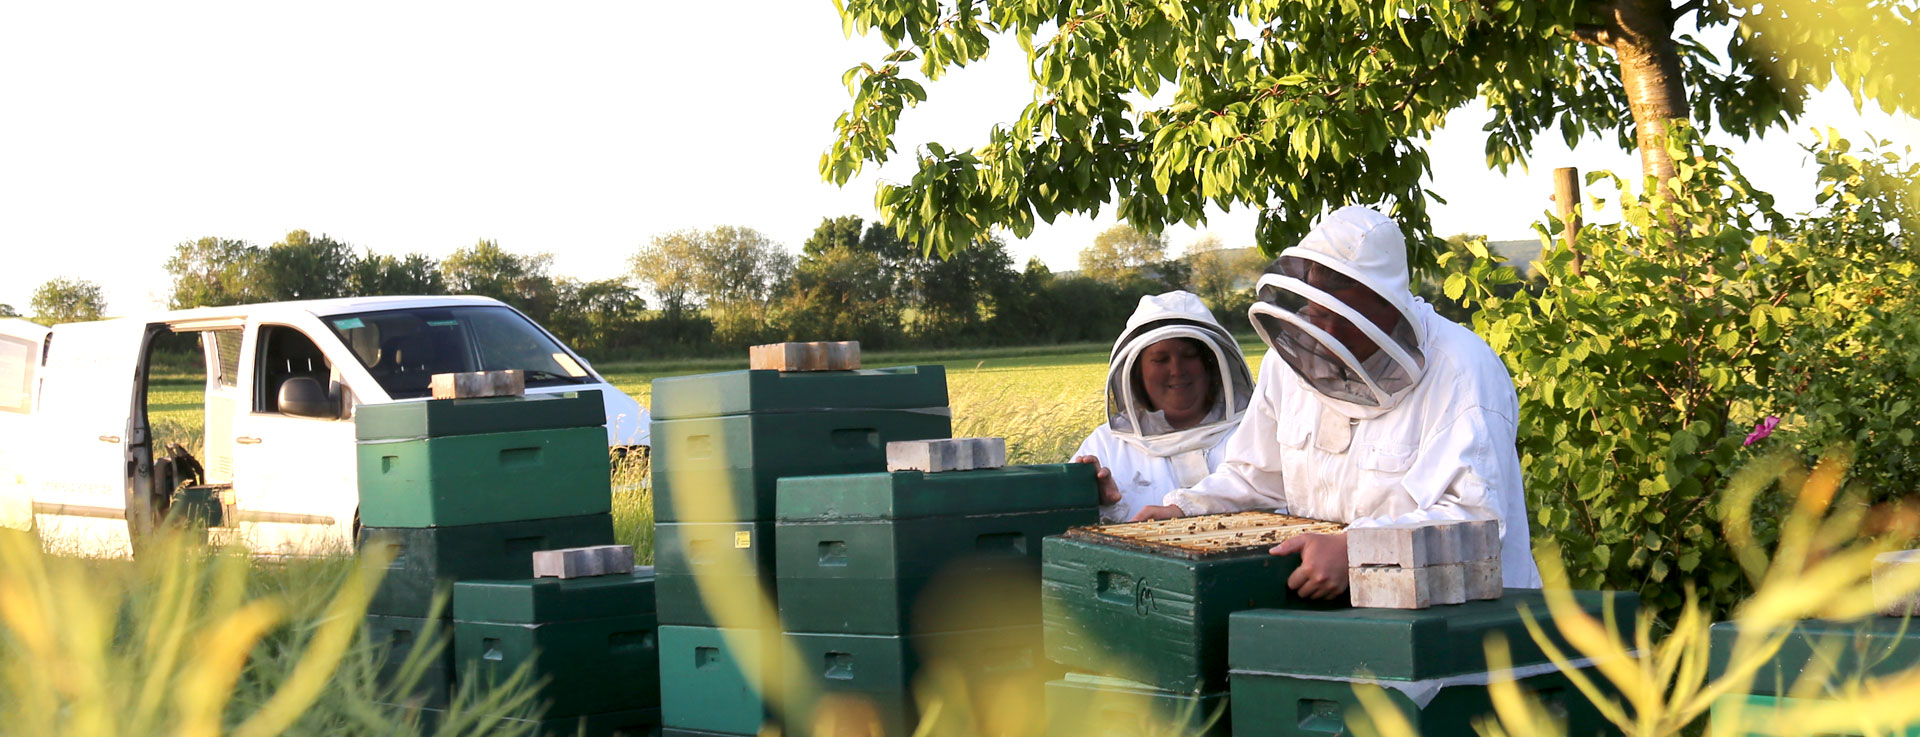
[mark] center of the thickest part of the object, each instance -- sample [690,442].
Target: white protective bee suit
[1423,428]
[1146,456]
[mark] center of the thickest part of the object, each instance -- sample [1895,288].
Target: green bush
[1644,365]
[1850,371]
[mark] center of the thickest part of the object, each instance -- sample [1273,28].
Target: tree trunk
[1650,69]
[1640,32]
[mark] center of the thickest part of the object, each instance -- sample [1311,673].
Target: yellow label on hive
[743,539]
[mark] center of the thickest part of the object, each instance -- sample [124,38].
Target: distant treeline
[711,292]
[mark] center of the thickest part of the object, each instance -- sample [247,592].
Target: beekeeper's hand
[1323,565]
[1154,511]
[1109,491]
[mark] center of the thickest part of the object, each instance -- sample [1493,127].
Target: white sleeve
[1249,473]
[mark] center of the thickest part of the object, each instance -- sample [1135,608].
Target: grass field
[1043,400]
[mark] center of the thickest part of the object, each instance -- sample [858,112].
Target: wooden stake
[1566,200]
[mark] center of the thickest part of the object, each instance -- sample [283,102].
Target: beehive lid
[411,420]
[741,392]
[913,494]
[543,600]
[1209,536]
[1408,644]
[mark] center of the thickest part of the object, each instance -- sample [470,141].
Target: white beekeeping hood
[1161,317]
[1358,259]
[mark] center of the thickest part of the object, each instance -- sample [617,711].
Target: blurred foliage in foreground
[190,641]
[1820,566]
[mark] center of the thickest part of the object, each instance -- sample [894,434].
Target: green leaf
[1456,285]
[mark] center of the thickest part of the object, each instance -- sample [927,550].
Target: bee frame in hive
[1211,536]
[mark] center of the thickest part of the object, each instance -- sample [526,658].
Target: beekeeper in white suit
[1370,409]
[1177,385]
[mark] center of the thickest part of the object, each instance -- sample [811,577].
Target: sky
[580,129]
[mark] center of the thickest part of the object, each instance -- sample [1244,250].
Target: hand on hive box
[1109,491]
[1155,511]
[1323,564]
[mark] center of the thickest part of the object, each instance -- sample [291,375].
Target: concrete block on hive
[1383,587]
[819,356]
[1896,583]
[1479,540]
[1483,579]
[950,454]
[1449,584]
[599,560]
[476,384]
[1411,545]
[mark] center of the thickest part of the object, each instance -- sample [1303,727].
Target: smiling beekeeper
[1177,386]
[1370,409]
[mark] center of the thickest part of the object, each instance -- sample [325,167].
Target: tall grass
[194,641]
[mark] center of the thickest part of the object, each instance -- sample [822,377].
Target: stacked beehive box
[1816,658]
[934,564]
[462,489]
[588,643]
[721,443]
[1294,672]
[1139,612]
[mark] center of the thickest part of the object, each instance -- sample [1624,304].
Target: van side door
[228,397]
[79,471]
[294,478]
[20,343]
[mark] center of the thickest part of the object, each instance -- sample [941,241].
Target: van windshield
[403,349]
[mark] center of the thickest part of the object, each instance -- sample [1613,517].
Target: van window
[16,375]
[284,354]
[403,349]
[226,345]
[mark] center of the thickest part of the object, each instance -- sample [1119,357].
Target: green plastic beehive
[477,479]
[1405,644]
[733,554]
[538,600]
[439,418]
[1834,651]
[1082,705]
[916,575]
[633,723]
[591,641]
[630,723]
[1293,672]
[1750,715]
[742,392]
[913,494]
[1157,619]
[394,640]
[983,664]
[587,666]
[735,462]
[1267,705]
[426,560]
[707,685]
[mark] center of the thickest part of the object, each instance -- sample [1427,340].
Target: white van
[77,455]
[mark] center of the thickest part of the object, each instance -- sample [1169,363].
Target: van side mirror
[301,396]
